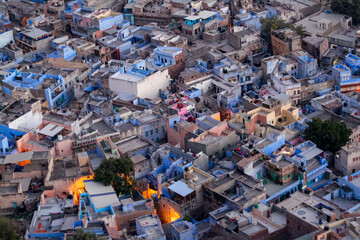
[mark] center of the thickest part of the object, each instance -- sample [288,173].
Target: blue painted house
[8,140]
[348,74]
[48,86]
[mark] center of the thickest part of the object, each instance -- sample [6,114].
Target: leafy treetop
[115,172]
[83,235]
[327,135]
[9,230]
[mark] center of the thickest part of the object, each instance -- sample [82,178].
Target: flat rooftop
[150,224]
[350,149]
[148,118]
[40,155]
[126,77]
[181,226]
[221,182]
[102,128]
[131,144]
[200,177]
[310,23]
[5,190]
[222,213]
[298,5]
[264,143]
[307,214]
[251,229]
[327,189]
[270,228]
[61,171]
[210,139]
[344,204]
[57,118]
[283,163]
[272,188]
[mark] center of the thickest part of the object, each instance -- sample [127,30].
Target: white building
[6,37]
[140,80]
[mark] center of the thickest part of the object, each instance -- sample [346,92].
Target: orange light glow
[174,216]
[147,194]
[23,163]
[128,179]
[78,187]
[167,214]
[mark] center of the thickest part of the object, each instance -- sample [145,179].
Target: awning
[311,153]
[181,188]
[18,157]
[51,130]
[24,182]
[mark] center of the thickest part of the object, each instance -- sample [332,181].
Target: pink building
[183,110]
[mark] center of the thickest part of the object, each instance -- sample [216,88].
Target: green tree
[275,23]
[347,7]
[327,135]
[9,230]
[300,30]
[83,235]
[271,23]
[115,172]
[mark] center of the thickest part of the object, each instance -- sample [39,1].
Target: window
[132,224]
[146,133]
[156,130]
[151,132]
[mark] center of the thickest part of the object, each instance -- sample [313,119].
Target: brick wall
[296,227]
[178,67]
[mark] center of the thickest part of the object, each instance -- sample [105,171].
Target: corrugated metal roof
[51,130]
[181,188]
[312,153]
[15,158]
[34,32]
